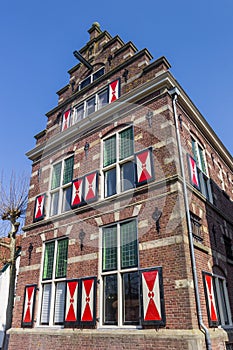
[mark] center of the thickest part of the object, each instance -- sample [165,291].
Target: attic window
[92,77]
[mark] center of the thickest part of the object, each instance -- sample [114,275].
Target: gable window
[202,170]
[88,80]
[53,282]
[89,106]
[120,275]
[61,186]
[118,164]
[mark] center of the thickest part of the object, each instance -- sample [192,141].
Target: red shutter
[88,301]
[210,300]
[144,167]
[71,310]
[114,90]
[77,193]
[90,191]
[28,306]
[193,172]
[152,297]
[39,207]
[66,120]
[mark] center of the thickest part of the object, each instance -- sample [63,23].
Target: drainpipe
[174,93]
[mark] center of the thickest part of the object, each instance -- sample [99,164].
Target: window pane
[129,249]
[110,182]
[110,151]
[109,250]
[91,106]
[48,260]
[127,176]
[68,170]
[79,114]
[61,264]
[85,82]
[131,298]
[98,74]
[202,160]
[56,178]
[54,203]
[59,303]
[110,300]
[46,303]
[66,202]
[126,143]
[223,302]
[102,99]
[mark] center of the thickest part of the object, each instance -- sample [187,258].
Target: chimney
[95,30]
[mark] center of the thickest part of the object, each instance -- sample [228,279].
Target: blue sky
[38,38]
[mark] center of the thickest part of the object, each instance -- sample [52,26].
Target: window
[196,227]
[53,282]
[118,162]
[120,275]
[90,106]
[60,195]
[228,247]
[202,171]
[88,80]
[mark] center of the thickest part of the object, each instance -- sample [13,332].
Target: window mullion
[118,185]
[119,276]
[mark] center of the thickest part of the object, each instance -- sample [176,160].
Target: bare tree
[13,202]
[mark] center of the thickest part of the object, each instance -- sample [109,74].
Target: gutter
[174,93]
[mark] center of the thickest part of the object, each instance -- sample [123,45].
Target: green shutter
[48,260]
[61,262]
[56,178]
[68,170]
[129,246]
[110,151]
[109,256]
[126,143]
[202,159]
[194,149]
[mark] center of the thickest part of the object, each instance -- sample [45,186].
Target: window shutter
[144,167]
[59,303]
[39,208]
[193,172]
[46,300]
[77,193]
[210,300]
[91,187]
[88,301]
[71,309]
[28,306]
[66,120]
[114,90]
[153,310]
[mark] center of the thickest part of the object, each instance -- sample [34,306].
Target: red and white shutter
[193,172]
[114,90]
[71,309]
[88,301]
[144,167]
[77,193]
[66,120]
[39,207]
[90,188]
[28,306]
[153,311]
[210,300]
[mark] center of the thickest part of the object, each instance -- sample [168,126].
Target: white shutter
[59,303]
[46,302]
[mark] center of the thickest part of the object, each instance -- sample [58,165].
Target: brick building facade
[129,215]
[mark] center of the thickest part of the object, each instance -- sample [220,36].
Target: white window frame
[97,106]
[91,78]
[220,300]
[118,164]
[119,272]
[53,282]
[60,190]
[203,176]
